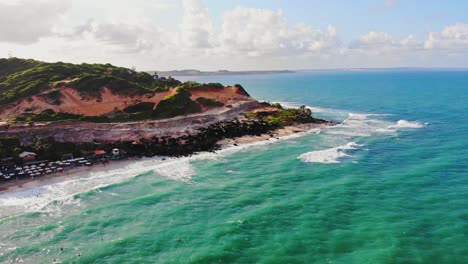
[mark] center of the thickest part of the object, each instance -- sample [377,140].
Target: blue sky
[238,34]
[354,18]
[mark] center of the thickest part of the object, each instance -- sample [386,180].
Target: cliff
[33,91]
[59,108]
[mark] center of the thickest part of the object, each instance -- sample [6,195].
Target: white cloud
[257,32]
[156,34]
[383,42]
[196,30]
[120,37]
[453,37]
[25,22]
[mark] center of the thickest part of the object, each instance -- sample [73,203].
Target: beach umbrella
[18,168]
[26,167]
[42,164]
[33,166]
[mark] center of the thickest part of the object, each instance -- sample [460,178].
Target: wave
[359,125]
[366,125]
[38,197]
[328,156]
[401,124]
[406,124]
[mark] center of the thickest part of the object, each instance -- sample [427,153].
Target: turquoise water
[389,185]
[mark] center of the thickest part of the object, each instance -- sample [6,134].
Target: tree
[42,146]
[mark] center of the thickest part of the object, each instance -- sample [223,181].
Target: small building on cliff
[28,156]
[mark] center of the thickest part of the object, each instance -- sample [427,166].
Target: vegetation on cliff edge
[20,79]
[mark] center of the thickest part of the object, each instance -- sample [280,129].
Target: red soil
[72,102]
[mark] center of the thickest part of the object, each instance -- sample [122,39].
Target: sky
[238,34]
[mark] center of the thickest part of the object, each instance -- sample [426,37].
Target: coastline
[225,143]
[28,190]
[277,134]
[60,176]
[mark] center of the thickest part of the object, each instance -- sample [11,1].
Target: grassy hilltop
[22,79]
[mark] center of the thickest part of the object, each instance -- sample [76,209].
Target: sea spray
[329,156]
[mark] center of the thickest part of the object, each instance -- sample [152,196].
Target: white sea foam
[401,124]
[406,124]
[328,156]
[359,125]
[39,198]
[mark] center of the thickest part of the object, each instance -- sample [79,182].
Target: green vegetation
[91,85]
[20,79]
[9,146]
[209,103]
[53,97]
[45,148]
[285,116]
[176,104]
[200,86]
[13,65]
[47,116]
[241,89]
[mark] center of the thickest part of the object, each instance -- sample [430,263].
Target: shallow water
[388,185]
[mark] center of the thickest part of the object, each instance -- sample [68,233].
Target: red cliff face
[71,101]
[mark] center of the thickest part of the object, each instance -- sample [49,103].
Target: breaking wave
[356,126]
[406,124]
[328,156]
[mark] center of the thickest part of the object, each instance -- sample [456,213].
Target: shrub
[53,97]
[20,79]
[176,104]
[241,90]
[210,103]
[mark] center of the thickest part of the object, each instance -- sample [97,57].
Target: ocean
[387,185]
